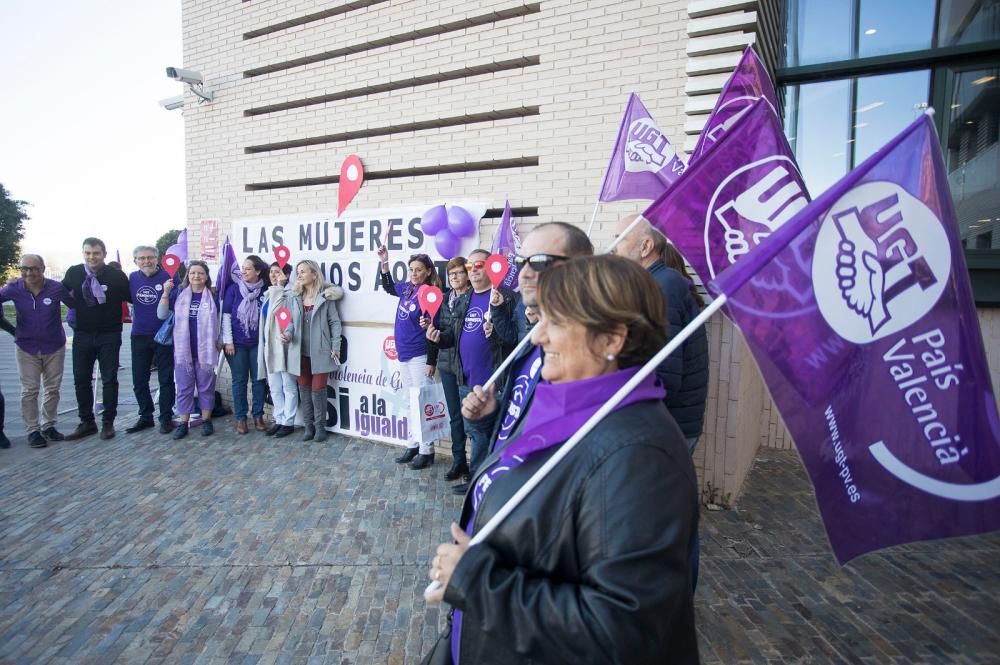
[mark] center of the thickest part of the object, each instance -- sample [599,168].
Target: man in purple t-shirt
[146,287]
[480,324]
[40,349]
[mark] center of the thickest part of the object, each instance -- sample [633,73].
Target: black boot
[422,461]
[306,406]
[407,456]
[319,414]
[457,470]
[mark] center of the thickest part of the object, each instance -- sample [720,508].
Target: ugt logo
[647,149]
[751,204]
[882,261]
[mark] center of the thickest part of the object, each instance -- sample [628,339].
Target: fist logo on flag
[882,262]
[752,203]
[647,149]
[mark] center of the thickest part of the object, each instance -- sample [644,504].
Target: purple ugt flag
[882,379]
[643,162]
[507,242]
[180,248]
[229,270]
[748,83]
[739,194]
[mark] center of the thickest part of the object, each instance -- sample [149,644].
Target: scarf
[248,313]
[92,291]
[208,330]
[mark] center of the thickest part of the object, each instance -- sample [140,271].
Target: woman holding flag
[196,344]
[594,565]
[417,356]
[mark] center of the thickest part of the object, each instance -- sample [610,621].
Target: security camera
[184,75]
[171,103]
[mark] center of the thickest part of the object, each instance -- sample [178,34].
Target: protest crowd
[591,367]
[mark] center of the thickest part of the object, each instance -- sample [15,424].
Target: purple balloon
[461,222]
[434,220]
[447,244]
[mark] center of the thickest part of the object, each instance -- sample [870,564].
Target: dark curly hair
[604,291]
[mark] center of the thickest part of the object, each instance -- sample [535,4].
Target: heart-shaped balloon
[284,318]
[461,222]
[447,244]
[281,255]
[430,298]
[497,267]
[171,263]
[434,220]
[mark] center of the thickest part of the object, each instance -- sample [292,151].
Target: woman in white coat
[272,358]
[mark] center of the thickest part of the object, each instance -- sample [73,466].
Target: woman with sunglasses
[417,356]
[593,566]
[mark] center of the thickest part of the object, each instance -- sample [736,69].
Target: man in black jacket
[685,372]
[98,293]
[481,325]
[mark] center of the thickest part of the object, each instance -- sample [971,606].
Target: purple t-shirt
[146,293]
[193,321]
[526,374]
[473,345]
[39,318]
[411,341]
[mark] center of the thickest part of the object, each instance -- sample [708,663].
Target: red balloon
[284,318]
[430,298]
[497,267]
[281,255]
[352,174]
[171,262]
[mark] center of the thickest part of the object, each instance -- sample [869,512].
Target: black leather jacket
[594,566]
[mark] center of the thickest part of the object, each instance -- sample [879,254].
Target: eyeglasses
[475,265]
[455,274]
[538,262]
[30,269]
[145,258]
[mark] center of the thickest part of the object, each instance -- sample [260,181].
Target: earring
[610,357]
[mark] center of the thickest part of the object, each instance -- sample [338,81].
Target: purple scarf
[248,313]
[208,330]
[558,410]
[92,291]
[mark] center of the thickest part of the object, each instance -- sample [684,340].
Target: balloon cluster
[448,226]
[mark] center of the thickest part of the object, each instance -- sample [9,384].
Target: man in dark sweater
[145,289]
[685,372]
[98,293]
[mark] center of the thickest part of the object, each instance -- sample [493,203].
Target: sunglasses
[475,265]
[538,262]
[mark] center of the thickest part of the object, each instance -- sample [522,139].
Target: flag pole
[593,217]
[621,236]
[591,423]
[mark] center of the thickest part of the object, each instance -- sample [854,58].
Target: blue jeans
[243,365]
[480,439]
[450,383]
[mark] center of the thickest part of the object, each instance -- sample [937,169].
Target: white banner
[366,398]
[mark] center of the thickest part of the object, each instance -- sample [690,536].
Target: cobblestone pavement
[250,550]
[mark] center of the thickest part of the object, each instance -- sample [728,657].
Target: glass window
[968,22]
[892,26]
[971,133]
[818,31]
[884,106]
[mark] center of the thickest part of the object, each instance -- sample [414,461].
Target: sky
[83,138]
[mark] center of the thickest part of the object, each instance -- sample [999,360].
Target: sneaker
[82,430]
[52,434]
[180,432]
[4,441]
[207,428]
[407,456]
[422,461]
[36,440]
[166,427]
[283,431]
[140,425]
[107,431]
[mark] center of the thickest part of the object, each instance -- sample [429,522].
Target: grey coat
[324,332]
[271,353]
